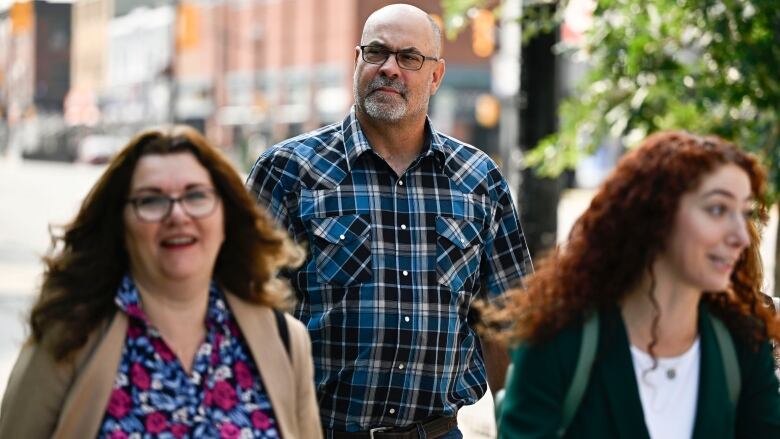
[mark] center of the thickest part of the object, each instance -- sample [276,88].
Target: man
[405,227]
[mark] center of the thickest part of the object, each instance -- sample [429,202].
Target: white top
[668,392]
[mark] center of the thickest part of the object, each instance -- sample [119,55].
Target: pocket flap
[340,229]
[462,233]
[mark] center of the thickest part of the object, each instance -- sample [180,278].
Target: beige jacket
[68,400]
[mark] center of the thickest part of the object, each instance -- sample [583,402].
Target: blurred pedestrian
[659,284]
[157,314]
[407,227]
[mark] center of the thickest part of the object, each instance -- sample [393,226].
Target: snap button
[342,237]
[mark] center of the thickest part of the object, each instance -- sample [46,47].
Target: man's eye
[410,56]
[375,50]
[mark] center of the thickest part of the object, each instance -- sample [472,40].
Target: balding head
[384,91]
[404,14]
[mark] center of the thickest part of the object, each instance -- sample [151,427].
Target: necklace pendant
[670,373]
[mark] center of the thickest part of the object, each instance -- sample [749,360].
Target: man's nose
[390,67]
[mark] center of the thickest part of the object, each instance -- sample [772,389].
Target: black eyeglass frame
[171,201]
[389,52]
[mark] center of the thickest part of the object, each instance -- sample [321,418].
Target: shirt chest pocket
[342,249]
[458,250]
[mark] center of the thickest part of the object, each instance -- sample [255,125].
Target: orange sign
[21,17]
[187,26]
[483,33]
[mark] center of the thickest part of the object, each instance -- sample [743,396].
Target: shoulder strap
[281,324]
[590,340]
[729,356]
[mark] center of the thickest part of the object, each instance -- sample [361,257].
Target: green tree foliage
[705,66]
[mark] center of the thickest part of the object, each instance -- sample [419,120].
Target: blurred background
[554,91]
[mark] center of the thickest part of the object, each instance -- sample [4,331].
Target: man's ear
[438,76]
[357,55]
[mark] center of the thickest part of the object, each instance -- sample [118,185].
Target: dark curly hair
[87,262]
[626,225]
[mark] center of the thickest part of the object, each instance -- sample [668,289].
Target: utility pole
[538,118]
[505,82]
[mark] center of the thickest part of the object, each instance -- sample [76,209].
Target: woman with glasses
[158,310]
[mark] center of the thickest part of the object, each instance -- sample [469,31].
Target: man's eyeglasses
[405,59]
[197,203]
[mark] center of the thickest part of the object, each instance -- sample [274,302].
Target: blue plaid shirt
[394,265]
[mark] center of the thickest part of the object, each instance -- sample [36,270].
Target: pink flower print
[243,375]
[229,431]
[119,403]
[117,434]
[260,420]
[179,430]
[208,398]
[162,349]
[135,311]
[224,395]
[156,422]
[139,376]
[134,331]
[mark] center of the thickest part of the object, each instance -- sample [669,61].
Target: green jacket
[611,408]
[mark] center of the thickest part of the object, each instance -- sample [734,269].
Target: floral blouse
[154,397]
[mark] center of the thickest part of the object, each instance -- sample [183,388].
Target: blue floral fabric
[154,397]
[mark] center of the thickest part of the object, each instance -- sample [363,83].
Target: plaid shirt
[394,265]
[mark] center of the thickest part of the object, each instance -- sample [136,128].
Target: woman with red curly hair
[665,262]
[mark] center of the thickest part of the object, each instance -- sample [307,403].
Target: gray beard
[384,111]
[375,107]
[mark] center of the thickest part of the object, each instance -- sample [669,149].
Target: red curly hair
[626,225]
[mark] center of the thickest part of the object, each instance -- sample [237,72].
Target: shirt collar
[356,143]
[128,299]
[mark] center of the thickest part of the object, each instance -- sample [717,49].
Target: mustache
[383,81]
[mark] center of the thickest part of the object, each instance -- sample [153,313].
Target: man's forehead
[398,35]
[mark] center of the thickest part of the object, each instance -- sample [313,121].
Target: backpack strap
[281,325]
[729,356]
[590,341]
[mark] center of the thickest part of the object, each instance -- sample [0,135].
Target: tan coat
[68,400]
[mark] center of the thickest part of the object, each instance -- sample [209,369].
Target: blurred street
[37,194]
[33,195]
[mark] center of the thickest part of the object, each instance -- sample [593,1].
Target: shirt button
[403,226]
[406,319]
[342,237]
[406,273]
[401,366]
[392,411]
[400,182]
